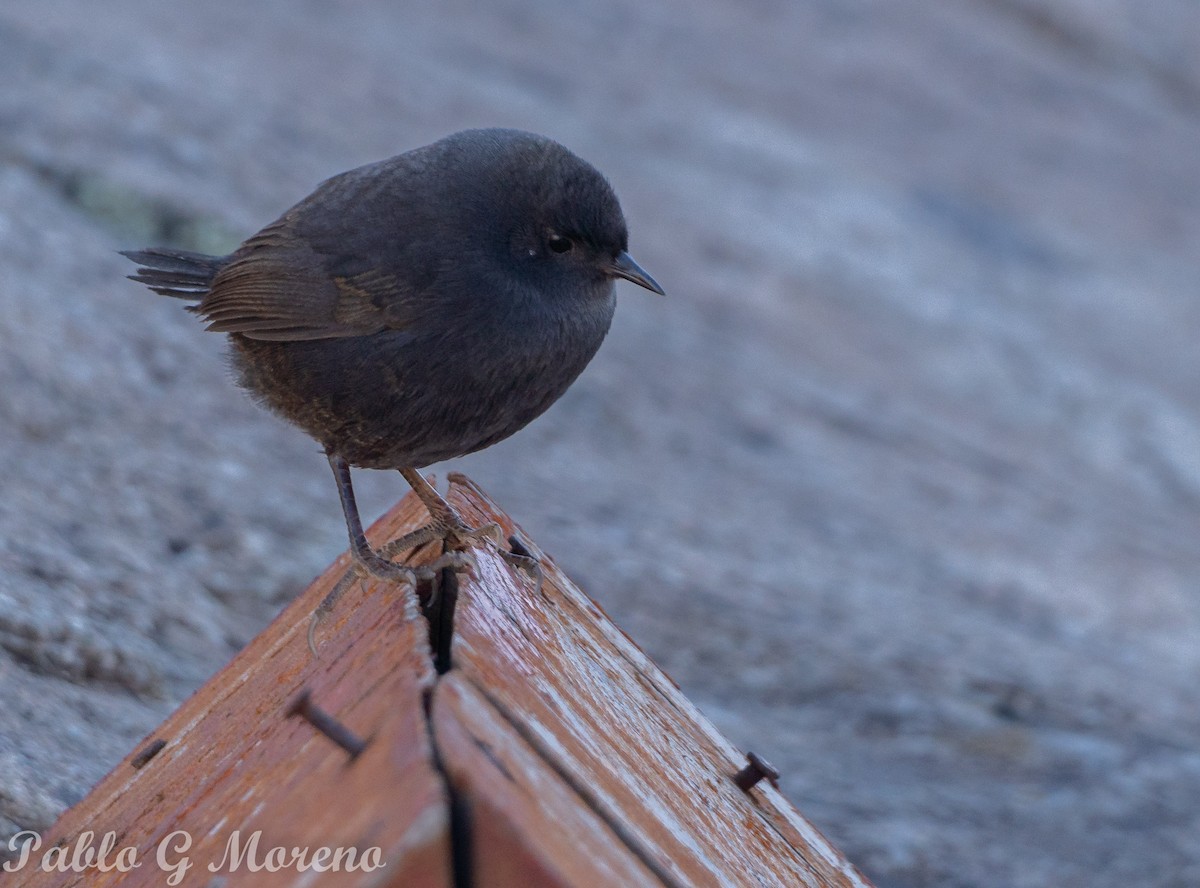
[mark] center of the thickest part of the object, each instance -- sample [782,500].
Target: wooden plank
[234,760]
[527,827]
[574,760]
[618,730]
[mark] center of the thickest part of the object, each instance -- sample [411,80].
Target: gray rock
[901,482]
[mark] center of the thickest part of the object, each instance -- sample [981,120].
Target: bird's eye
[558,243]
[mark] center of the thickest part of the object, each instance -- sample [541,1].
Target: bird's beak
[623,266]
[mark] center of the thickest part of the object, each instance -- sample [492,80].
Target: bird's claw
[456,561]
[461,536]
[361,568]
[524,559]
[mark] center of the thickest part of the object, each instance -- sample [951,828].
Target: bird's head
[561,220]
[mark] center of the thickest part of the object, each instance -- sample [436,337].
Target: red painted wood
[577,762]
[599,711]
[527,826]
[235,761]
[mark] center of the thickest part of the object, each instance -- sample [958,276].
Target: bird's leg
[364,555]
[379,564]
[457,532]
[453,529]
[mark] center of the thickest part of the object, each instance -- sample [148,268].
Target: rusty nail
[756,770]
[326,724]
[153,748]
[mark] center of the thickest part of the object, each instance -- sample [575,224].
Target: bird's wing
[278,287]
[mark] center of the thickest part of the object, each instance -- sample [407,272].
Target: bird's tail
[178,273]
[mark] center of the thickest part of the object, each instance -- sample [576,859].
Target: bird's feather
[277,287]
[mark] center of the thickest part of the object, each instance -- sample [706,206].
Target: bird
[417,309]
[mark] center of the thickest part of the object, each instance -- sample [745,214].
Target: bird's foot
[376,564]
[455,532]
[411,540]
[524,558]
[461,536]
[380,567]
[512,550]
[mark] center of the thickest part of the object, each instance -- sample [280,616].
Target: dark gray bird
[418,308]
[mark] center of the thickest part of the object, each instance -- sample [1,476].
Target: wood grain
[552,752]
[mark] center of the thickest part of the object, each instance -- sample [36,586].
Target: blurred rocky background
[901,482]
